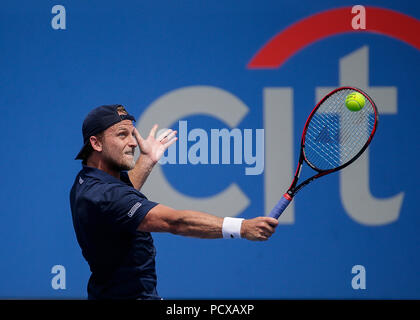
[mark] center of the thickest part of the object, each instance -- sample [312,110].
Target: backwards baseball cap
[98,120]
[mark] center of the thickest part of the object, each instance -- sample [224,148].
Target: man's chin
[128,166]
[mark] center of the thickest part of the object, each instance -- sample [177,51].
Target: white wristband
[231,228]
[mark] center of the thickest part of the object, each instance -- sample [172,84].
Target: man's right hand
[258,229]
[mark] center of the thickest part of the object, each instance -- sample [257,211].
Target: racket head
[334,136]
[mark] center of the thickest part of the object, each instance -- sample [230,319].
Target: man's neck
[101,165]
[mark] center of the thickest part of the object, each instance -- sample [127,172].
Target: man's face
[118,146]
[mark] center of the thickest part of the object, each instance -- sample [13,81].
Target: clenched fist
[258,229]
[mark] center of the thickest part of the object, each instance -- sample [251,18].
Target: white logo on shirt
[81,180]
[134,209]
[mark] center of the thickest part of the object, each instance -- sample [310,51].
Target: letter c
[179,104]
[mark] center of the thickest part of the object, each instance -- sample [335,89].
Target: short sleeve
[124,208]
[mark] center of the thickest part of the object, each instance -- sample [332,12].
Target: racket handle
[280,206]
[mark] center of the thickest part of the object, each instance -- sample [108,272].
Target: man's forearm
[138,175]
[203,225]
[197,224]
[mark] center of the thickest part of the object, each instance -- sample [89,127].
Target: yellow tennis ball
[355,101]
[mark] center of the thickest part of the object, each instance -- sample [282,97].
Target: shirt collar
[102,175]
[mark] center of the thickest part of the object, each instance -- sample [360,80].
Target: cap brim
[81,152]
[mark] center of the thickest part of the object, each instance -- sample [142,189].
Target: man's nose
[133,141]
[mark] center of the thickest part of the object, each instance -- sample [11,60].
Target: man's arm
[138,175]
[202,225]
[151,150]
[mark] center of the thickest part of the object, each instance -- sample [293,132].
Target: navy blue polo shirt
[106,212]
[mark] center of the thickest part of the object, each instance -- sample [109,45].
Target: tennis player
[113,219]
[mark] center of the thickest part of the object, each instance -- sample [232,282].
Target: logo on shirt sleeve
[134,209]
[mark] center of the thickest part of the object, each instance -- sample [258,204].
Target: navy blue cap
[98,120]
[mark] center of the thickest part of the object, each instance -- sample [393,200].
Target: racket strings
[335,134]
[351,140]
[317,136]
[356,131]
[324,154]
[339,152]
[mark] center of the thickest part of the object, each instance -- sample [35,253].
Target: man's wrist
[146,161]
[231,228]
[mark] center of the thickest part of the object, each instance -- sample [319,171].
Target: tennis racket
[333,138]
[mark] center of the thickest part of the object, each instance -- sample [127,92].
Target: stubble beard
[122,165]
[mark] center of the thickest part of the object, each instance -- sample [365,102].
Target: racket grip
[280,206]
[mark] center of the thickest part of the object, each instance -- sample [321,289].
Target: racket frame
[293,189]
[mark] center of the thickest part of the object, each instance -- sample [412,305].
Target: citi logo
[273,154]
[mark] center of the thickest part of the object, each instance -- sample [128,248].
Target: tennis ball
[355,101]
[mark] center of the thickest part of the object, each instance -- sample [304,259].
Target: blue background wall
[132,53]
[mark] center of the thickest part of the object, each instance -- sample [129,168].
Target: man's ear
[95,143]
